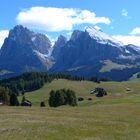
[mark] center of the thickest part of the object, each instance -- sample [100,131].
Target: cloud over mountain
[57,19]
[135,40]
[135,31]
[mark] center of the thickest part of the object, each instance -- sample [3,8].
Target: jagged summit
[18,31]
[23,50]
[102,37]
[61,40]
[86,53]
[24,36]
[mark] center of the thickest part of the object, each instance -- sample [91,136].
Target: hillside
[114,117]
[117,92]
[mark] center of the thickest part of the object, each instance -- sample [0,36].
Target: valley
[69,70]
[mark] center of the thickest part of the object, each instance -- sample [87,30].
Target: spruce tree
[13,100]
[52,98]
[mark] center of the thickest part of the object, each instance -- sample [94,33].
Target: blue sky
[118,18]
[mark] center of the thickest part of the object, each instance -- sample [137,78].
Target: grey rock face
[84,54]
[20,51]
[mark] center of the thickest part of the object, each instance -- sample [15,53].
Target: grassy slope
[102,122]
[115,117]
[109,65]
[116,90]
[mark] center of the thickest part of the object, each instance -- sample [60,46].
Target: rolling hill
[117,92]
[115,116]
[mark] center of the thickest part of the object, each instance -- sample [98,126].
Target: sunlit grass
[101,122]
[117,91]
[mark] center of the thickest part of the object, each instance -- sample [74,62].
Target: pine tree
[59,98]
[52,98]
[13,100]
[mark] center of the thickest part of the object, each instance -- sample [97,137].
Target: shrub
[80,99]
[42,104]
[100,92]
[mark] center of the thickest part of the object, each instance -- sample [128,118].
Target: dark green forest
[27,82]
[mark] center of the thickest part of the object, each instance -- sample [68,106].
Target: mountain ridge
[84,54]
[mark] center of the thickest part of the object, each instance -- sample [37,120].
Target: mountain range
[87,53]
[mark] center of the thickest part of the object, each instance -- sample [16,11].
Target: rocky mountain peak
[102,37]
[25,50]
[23,37]
[75,35]
[17,32]
[86,53]
[61,40]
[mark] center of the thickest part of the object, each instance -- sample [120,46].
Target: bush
[80,99]
[100,92]
[42,104]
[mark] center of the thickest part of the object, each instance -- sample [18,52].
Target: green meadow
[113,117]
[117,92]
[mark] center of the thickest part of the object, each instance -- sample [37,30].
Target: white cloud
[57,19]
[3,35]
[135,31]
[130,39]
[135,40]
[124,12]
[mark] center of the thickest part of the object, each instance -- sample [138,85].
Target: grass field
[100,122]
[114,117]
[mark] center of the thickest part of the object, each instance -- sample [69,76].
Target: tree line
[31,81]
[26,82]
[35,80]
[56,98]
